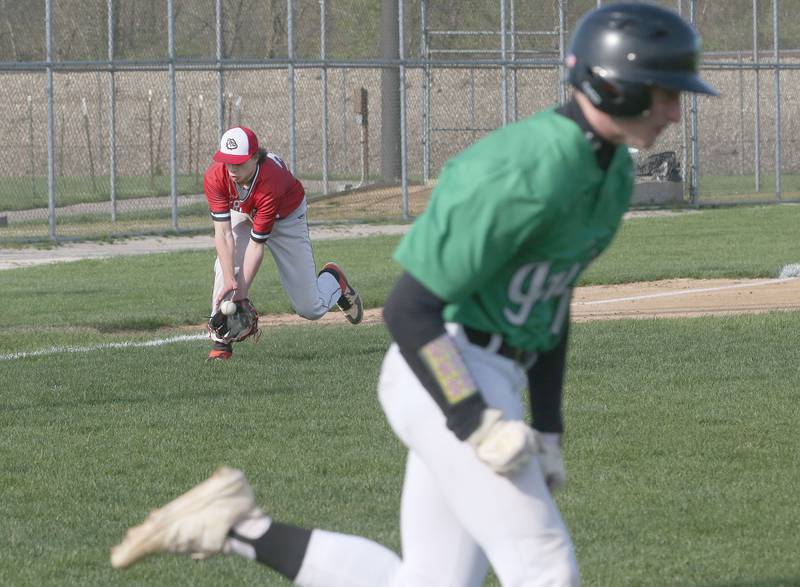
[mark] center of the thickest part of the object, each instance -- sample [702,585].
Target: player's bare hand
[228,291]
[505,445]
[551,460]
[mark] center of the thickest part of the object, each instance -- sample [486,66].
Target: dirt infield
[675,298]
[671,298]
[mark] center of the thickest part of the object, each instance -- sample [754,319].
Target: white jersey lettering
[532,275]
[532,284]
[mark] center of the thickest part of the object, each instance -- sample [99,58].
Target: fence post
[292,105]
[562,39]
[322,51]
[112,115]
[51,163]
[220,76]
[426,91]
[757,88]
[403,118]
[777,54]
[173,119]
[390,97]
[694,179]
[503,67]
[513,39]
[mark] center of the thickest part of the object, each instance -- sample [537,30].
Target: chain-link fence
[113,109]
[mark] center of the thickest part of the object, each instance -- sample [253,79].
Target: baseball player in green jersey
[481,313]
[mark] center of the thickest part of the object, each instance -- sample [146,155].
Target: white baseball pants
[457,515]
[311,296]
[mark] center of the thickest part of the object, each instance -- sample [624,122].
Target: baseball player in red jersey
[255,200]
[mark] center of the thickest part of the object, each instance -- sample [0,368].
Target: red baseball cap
[236,146]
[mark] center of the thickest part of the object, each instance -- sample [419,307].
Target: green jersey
[511,224]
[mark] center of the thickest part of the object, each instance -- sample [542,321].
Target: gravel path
[65,252]
[14,258]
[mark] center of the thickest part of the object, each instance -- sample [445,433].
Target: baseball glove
[242,324]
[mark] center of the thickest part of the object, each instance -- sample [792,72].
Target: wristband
[448,369]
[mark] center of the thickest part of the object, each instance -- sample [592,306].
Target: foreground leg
[196,523]
[220,516]
[436,548]
[513,519]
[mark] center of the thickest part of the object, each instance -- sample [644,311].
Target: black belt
[483,339]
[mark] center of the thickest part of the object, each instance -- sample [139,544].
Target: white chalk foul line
[684,292]
[102,346]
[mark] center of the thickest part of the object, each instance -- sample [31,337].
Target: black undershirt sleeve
[413,315]
[545,385]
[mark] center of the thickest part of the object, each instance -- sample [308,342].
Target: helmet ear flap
[615,97]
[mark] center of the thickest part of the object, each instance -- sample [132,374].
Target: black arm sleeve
[413,315]
[545,384]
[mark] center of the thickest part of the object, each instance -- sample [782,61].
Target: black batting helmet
[620,51]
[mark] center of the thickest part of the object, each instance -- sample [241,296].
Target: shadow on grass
[137,325]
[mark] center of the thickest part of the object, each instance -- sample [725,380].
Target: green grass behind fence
[24,193]
[733,188]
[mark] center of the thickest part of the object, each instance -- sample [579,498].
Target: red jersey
[273,194]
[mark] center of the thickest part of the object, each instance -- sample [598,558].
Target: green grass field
[737,188]
[23,193]
[681,445]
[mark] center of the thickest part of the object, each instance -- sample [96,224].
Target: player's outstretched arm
[225,245]
[253,256]
[413,315]
[545,386]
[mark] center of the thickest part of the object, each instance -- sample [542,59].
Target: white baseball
[227,307]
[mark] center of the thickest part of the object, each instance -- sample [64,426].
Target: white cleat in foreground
[196,523]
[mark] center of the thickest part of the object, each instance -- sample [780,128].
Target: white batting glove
[550,460]
[505,445]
